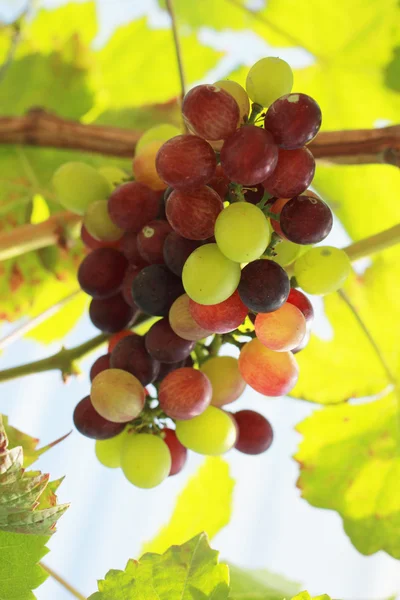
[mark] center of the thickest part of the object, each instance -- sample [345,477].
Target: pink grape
[182,322]
[219,318]
[186,162]
[151,240]
[255,433]
[177,450]
[185,393]
[210,112]
[293,173]
[281,330]
[192,214]
[132,205]
[293,120]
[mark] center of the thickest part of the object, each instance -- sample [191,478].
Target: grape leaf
[259,584]
[187,572]
[306,596]
[350,462]
[392,71]
[204,505]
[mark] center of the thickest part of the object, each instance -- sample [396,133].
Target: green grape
[242,232]
[239,93]
[208,276]
[145,459]
[269,79]
[213,432]
[114,175]
[158,133]
[108,452]
[322,270]
[98,223]
[77,185]
[287,252]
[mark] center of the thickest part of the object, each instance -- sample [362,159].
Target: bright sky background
[109,519]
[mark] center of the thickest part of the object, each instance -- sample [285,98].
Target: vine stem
[373,244]
[178,52]
[62,582]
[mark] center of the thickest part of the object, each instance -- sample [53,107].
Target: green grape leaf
[187,572]
[204,505]
[350,462]
[20,572]
[306,596]
[392,72]
[259,584]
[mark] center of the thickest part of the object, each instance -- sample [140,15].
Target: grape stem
[256,109]
[62,582]
[275,240]
[178,53]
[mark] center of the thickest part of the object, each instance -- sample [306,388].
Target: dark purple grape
[255,194]
[126,289]
[155,289]
[255,433]
[151,240]
[100,364]
[292,175]
[264,286]
[177,250]
[130,355]
[166,368]
[110,314]
[101,272]
[164,345]
[129,247]
[306,220]
[90,424]
[294,120]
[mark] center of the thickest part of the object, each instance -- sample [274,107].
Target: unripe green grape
[77,185]
[322,270]
[108,452]
[242,232]
[212,433]
[158,133]
[287,252]
[98,223]
[269,79]
[114,175]
[145,459]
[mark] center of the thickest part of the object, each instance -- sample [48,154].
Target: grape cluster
[199,239]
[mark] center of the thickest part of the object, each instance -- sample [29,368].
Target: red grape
[306,220]
[249,156]
[93,244]
[114,339]
[101,272]
[255,433]
[186,162]
[293,173]
[183,323]
[151,240]
[177,250]
[281,330]
[129,247]
[294,120]
[298,299]
[177,450]
[100,364]
[155,289]
[254,195]
[210,112]
[276,208]
[220,318]
[126,289]
[90,424]
[132,205]
[110,314]
[264,286]
[192,214]
[220,182]
[268,372]
[185,393]
[164,345]
[130,355]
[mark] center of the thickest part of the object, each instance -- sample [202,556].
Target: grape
[129,247]
[155,289]
[132,205]
[114,175]
[293,120]
[98,223]
[255,432]
[306,220]
[90,424]
[144,167]
[130,355]
[208,276]
[276,208]
[108,452]
[166,368]
[114,339]
[186,162]
[293,173]
[268,372]
[178,452]
[100,364]
[226,380]
[300,301]
[269,79]
[177,250]
[322,270]
[77,185]
[158,133]
[255,194]
[249,156]
[145,460]
[220,318]
[110,314]
[101,272]
[213,432]
[93,244]
[264,286]
[117,395]
[192,214]
[242,232]
[185,393]
[219,182]
[151,240]
[303,342]
[281,330]
[210,112]
[239,94]
[164,345]
[286,253]
[182,322]
[130,274]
